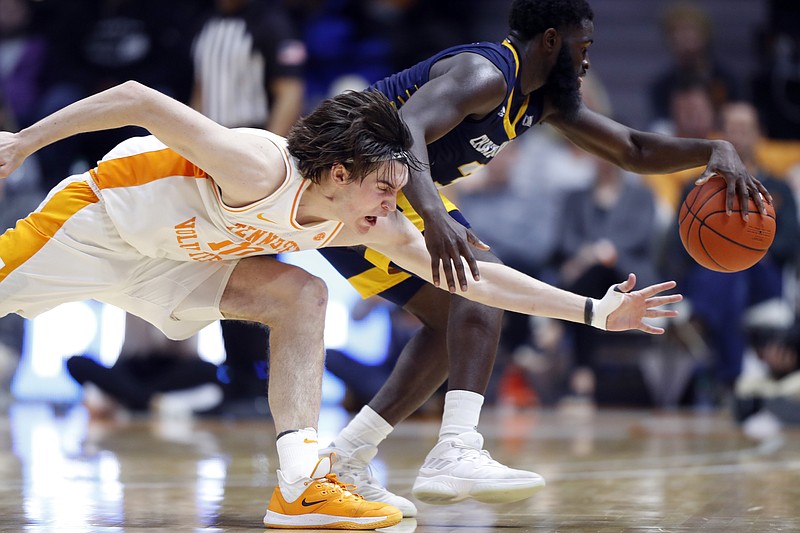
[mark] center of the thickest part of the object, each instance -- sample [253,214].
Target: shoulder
[473,76]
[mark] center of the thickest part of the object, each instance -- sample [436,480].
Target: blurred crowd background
[709,68]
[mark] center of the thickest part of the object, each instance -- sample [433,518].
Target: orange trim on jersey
[142,168]
[19,244]
[508,125]
[333,234]
[296,204]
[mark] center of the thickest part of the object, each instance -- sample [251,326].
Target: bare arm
[461,86]
[652,153]
[287,104]
[239,162]
[506,288]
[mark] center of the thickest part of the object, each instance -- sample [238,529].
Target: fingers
[628,284]
[652,290]
[761,193]
[730,194]
[648,328]
[461,273]
[435,271]
[764,192]
[447,266]
[658,301]
[741,189]
[466,253]
[705,176]
[660,313]
[476,242]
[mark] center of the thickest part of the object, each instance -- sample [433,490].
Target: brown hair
[360,130]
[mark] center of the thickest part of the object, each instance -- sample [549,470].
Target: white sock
[462,409]
[298,454]
[366,428]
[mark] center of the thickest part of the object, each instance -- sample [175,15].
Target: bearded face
[563,87]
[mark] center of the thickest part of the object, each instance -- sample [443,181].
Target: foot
[324,502]
[457,468]
[353,468]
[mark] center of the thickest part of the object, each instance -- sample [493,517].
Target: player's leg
[458,468]
[458,335]
[293,302]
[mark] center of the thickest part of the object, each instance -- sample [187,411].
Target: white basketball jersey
[165,206]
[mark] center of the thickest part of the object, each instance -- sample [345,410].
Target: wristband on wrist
[588,312]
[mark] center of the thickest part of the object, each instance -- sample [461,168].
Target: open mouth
[371,220]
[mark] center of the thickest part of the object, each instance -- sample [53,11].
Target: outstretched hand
[635,306]
[447,242]
[11,156]
[725,162]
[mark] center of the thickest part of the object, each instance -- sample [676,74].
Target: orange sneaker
[326,503]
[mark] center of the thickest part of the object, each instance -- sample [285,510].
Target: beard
[563,88]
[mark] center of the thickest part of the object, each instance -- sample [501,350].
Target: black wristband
[588,312]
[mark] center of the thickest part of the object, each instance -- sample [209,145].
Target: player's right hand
[447,242]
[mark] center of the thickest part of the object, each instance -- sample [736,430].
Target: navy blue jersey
[473,143]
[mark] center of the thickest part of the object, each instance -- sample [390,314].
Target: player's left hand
[632,307]
[725,162]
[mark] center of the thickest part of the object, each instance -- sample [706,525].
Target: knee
[311,295]
[477,315]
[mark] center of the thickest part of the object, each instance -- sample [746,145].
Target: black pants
[133,381]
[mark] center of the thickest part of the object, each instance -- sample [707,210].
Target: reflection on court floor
[621,471]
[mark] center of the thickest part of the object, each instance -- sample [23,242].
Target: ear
[339,174]
[551,40]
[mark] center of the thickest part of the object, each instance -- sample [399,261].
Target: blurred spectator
[96,44]
[248,72]
[15,203]
[692,114]
[768,396]
[22,61]
[248,66]
[688,34]
[719,300]
[353,43]
[607,232]
[152,373]
[361,380]
[776,85]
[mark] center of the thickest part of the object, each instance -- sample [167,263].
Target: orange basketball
[718,241]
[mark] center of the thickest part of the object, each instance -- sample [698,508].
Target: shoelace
[475,454]
[360,471]
[347,489]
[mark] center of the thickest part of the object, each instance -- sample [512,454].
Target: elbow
[634,159]
[131,88]
[136,96]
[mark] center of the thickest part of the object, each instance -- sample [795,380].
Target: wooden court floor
[607,471]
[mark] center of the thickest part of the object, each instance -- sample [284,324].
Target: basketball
[718,241]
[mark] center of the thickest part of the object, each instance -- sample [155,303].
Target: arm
[287,103]
[506,288]
[239,162]
[652,153]
[461,86]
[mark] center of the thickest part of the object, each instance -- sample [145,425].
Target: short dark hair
[529,18]
[360,130]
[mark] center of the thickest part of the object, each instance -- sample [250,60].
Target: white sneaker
[353,468]
[184,403]
[458,468]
